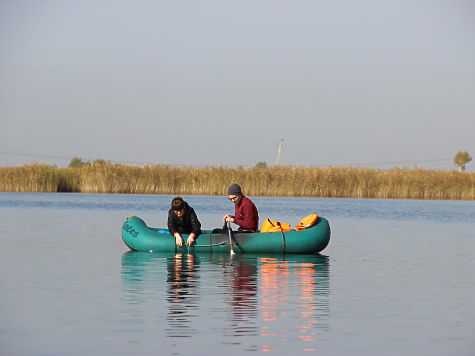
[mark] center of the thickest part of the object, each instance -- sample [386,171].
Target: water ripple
[281,208]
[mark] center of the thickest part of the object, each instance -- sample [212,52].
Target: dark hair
[178,203]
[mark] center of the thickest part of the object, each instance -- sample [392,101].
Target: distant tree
[261,165]
[76,162]
[461,159]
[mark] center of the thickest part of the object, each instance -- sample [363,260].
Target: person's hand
[228,218]
[191,240]
[178,240]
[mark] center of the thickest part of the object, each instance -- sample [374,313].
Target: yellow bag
[307,221]
[274,226]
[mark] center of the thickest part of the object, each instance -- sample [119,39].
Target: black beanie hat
[234,189]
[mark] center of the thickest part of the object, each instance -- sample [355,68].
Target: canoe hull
[140,237]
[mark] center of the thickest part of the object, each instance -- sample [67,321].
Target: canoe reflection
[268,298]
[294,288]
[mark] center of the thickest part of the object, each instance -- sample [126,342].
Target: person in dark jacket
[182,219]
[245,212]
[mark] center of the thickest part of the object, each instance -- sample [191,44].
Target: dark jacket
[186,224]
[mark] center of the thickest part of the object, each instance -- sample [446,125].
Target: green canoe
[140,237]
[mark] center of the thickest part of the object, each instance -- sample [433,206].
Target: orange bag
[274,226]
[307,221]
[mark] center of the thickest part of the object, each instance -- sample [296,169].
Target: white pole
[279,151]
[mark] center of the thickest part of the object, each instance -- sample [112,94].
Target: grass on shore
[264,181]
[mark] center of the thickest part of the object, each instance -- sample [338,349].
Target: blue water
[396,279]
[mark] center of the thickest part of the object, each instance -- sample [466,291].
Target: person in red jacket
[245,212]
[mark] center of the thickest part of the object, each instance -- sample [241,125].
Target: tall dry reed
[265,181]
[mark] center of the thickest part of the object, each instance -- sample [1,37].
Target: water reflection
[182,280]
[293,291]
[143,275]
[259,303]
[239,286]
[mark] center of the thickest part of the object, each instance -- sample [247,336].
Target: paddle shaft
[283,245]
[230,235]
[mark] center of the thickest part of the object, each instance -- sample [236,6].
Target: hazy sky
[216,82]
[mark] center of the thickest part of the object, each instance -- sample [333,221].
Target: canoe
[140,237]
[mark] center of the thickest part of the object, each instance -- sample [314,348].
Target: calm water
[396,279]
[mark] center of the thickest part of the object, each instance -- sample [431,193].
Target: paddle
[283,245]
[230,235]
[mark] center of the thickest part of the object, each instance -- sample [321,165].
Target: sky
[366,83]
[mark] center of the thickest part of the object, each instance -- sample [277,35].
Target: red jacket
[246,215]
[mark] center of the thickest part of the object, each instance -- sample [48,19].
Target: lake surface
[396,279]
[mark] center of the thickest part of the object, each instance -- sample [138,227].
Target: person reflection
[181,294]
[244,296]
[240,274]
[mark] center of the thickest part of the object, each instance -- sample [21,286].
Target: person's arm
[171,224]
[231,218]
[191,239]
[195,223]
[173,231]
[246,217]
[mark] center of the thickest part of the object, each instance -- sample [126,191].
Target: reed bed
[295,181]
